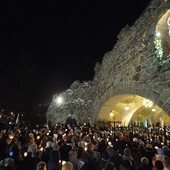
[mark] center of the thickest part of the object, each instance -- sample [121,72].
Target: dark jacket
[53,163]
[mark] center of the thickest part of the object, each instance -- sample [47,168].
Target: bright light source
[109,143]
[153,110]
[158,34]
[25,154]
[126,107]
[147,103]
[150,104]
[38,137]
[41,149]
[59,100]
[111,114]
[156,147]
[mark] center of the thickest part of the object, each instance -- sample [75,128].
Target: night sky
[46,45]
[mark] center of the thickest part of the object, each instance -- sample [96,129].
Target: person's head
[165,148]
[32,148]
[48,144]
[41,166]
[31,139]
[109,166]
[67,166]
[144,160]
[110,150]
[90,146]
[54,146]
[81,144]
[148,146]
[127,152]
[159,165]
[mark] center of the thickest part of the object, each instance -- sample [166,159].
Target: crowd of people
[80,147]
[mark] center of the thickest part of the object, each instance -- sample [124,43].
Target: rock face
[77,101]
[138,64]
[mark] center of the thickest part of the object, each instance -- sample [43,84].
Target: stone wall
[77,101]
[131,67]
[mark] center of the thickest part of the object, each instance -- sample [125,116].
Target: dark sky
[46,45]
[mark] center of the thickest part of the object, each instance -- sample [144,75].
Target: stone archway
[134,68]
[129,108]
[126,92]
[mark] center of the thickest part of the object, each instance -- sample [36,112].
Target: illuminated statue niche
[162,40]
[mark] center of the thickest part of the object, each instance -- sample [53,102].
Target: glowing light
[111,114]
[109,143]
[25,154]
[11,136]
[147,103]
[156,147]
[153,110]
[158,34]
[59,100]
[127,107]
[63,162]
[150,104]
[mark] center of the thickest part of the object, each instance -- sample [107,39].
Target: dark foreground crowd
[80,147]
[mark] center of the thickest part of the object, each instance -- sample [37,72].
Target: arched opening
[71,120]
[162,39]
[127,109]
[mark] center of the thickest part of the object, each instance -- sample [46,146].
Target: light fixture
[111,114]
[158,34]
[127,107]
[153,110]
[59,100]
[147,103]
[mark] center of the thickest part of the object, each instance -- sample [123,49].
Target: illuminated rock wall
[133,66]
